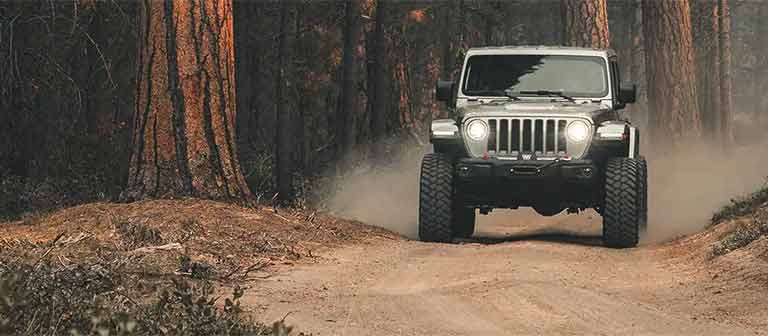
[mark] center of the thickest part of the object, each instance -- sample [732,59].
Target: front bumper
[582,171]
[513,183]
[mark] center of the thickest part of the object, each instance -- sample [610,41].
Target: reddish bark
[184,124]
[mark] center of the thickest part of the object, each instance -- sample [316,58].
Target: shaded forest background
[68,86]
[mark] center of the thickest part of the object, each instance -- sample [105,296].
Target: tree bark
[586,23]
[446,38]
[184,121]
[706,30]
[712,41]
[726,94]
[345,131]
[381,75]
[639,110]
[673,113]
[283,169]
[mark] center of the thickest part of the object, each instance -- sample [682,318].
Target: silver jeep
[539,127]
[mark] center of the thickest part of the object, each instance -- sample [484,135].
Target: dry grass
[158,235]
[746,231]
[137,258]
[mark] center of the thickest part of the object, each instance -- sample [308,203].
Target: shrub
[98,300]
[135,235]
[742,206]
[743,235]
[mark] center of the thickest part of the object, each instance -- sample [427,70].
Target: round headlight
[578,131]
[477,130]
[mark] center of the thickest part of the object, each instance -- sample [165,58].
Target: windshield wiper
[493,93]
[550,93]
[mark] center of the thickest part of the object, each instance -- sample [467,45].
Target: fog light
[464,171]
[586,172]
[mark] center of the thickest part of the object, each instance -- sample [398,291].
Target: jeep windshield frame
[577,76]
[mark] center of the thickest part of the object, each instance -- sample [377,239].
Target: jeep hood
[593,111]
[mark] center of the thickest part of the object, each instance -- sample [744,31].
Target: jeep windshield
[524,75]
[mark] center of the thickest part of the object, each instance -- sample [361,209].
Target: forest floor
[520,274]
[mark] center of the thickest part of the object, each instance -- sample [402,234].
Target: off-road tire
[623,198]
[643,206]
[436,209]
[463,222]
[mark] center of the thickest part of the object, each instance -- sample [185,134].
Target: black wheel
[436,209]
[643,206]
[463,222]
[623,203]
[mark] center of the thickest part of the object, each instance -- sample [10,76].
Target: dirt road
[525,275]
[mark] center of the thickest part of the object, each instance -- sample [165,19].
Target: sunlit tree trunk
[726,94]
[184,134]
[586,23]
[673,111]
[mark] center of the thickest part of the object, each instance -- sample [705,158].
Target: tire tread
[436,199]
[623,197]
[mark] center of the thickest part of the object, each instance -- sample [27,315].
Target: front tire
[624,202]
[643,180]
[436,209]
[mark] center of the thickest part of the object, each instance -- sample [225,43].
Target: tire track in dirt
[531,281]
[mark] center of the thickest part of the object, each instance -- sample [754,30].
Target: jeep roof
[512,50]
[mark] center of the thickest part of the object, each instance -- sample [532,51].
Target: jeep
[536,127]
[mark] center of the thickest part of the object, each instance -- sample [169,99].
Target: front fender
[444,131]
[620,135]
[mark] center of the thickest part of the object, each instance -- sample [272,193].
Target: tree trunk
[638,111]
[184,122]
[345,131]
[586,23]
[446,39]
[726,94]
[706,30]
[381,76]
[283,169]
[673,113]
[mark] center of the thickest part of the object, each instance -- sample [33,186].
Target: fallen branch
[153,249]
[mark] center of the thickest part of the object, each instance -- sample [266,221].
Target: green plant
[98,299]
[742,206]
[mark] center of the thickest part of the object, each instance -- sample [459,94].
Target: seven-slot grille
[527,135]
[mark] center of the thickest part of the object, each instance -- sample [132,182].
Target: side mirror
[444,91]
[628,95]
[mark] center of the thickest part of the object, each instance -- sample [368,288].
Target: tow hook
[548,165]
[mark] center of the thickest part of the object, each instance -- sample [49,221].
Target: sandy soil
[521,275]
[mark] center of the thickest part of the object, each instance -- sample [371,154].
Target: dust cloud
[685,188]
[386,196]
